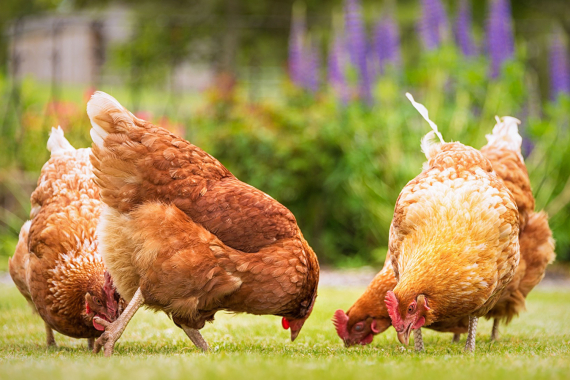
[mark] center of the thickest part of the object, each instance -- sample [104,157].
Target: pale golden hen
[453,240]
[369,315]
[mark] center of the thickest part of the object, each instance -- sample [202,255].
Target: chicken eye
[359,327]
[411,308]
[97,301]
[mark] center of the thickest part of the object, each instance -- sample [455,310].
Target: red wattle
[419,323]
[98,326]
[285,323]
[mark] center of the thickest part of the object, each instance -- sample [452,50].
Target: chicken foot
[495,331]
[196,337]
[50,340]
[456,338]
[418,340]
[470,344]
[113,331]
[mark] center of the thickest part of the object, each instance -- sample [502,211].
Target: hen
[536,246]
[369,315]
[56,265]
[453,240]
[181,234]
[536,243]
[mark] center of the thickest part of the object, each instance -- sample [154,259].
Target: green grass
[537,345]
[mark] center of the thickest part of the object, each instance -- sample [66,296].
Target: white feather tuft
[506,135]
[430,145]
[100,103]
[424,112]
[57,143]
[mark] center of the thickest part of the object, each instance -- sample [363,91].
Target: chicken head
[414,312]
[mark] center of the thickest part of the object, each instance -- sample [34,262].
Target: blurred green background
[216,73]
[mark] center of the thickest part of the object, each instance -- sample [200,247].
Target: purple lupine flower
[356,43]
[296,47]
[311,69]
[337,66]
[387,43]
[462,29]
[432,25]
[500,39]
[559,67]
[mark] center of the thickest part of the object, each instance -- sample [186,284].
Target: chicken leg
[418,340]
[495,331]
[50,340]
[470,344]
[456,338]
[196,338]
[90,343]
[113,331]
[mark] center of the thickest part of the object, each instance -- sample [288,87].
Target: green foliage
[256,347]
[338,168]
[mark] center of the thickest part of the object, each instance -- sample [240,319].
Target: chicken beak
[294,334]
[404,336]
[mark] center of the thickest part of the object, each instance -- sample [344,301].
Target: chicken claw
[418,340]
[113,331]
[470,344]
[50,340]
[456,338]
[495,331]
[196,338]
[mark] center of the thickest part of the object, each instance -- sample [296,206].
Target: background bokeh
[304,100]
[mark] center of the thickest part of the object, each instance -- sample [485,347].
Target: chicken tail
[430,146]
[57,143]
[114,154]
[107,116]
[506,135]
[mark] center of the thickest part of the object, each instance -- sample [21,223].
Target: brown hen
[536,242]
[181,234]
[56,265]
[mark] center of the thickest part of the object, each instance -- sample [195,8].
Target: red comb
[340,322]
[285,323]
[392,306]
[109,290]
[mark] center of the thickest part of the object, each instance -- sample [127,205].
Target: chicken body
[56,265]
[181,234]
[454,241]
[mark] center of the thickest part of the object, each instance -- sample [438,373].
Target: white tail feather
[100,102]
[424,112]
[430,146]
[57,143]
[506,135]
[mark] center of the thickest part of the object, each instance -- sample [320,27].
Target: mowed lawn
[536,345]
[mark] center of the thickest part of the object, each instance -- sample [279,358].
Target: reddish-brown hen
[181,234]
[536,242]
[56,265]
